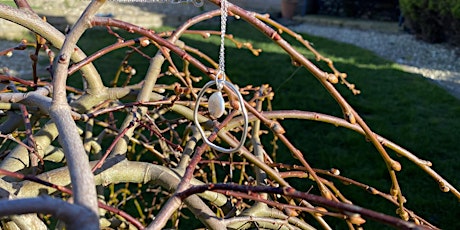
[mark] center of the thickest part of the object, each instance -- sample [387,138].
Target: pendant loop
[242,109]
[220,79]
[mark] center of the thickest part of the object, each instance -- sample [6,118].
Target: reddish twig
[8,52]
[40,41]
[10,137]
[154,129]
[291,192]
[34,156]
[22,4]
[75,67]
[107,152]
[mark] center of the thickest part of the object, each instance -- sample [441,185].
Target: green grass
[8,2]
[403,107]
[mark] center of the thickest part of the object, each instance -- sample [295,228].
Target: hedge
[433,20]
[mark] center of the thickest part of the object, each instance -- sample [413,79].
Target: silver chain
[223,28]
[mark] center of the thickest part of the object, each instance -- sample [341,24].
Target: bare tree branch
[57,207]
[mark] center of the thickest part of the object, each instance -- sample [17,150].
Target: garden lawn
[405,108]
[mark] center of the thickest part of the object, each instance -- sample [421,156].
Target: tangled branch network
[123,150]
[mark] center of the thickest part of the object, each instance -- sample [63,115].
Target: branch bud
[277,128]
[403,214]
[332,78]
[320,210]
[443,186]
[396,165]
[355,218]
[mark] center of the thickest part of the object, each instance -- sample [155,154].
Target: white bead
[216,105]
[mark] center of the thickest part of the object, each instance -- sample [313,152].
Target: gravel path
[434,61]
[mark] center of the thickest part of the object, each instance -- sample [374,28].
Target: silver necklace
[216,103]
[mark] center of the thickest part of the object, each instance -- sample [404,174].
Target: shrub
[385,10]
[433,20]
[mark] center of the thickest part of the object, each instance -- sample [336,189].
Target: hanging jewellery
[216,103]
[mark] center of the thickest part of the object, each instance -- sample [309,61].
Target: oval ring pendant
[216,105]
[219,106]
